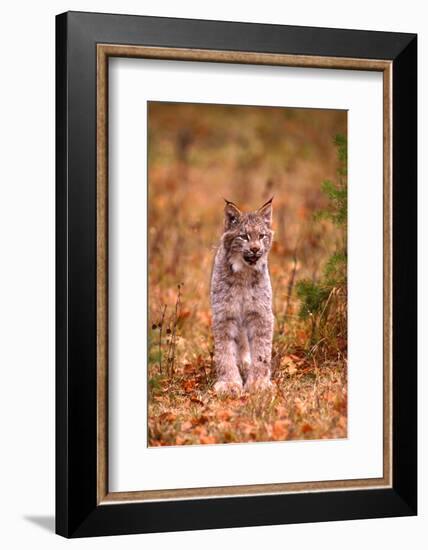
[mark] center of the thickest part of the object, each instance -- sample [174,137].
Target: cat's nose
[254,249]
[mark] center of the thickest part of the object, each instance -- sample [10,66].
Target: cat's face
[247,235]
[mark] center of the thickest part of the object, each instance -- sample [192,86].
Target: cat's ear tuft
[265,212]
[232,215]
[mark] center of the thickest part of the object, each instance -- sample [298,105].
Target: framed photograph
[236,274]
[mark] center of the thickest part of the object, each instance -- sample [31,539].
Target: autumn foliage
[197,155]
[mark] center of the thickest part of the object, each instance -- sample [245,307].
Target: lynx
[241,301]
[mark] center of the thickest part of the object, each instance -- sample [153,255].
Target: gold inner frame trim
[104,51]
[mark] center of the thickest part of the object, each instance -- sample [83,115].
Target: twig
[160,338]
[171,354]
[291,283]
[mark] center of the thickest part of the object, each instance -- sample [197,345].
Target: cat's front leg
[229,381]
[260,332]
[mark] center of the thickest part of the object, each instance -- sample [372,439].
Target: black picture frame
[77,511]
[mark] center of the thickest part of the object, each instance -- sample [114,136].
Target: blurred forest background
[199,154]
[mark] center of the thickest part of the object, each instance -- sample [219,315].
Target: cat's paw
[258,384]
[228,387]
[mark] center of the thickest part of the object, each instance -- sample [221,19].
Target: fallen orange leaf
[189,385]
[200,420]
[207,439]
[306,428]
[280,430]
[168,417]
[196,400]
[223,415]
[281,411]
[343,421]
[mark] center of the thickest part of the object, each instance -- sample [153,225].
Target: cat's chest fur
[251,290]
[242,291]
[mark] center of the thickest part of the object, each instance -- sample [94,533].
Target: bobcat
[241,301]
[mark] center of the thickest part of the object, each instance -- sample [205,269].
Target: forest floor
[308,402]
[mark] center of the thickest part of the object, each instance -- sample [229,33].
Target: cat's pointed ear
[232,215]
[265,212]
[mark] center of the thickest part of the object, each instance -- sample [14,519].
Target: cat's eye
[262,236]
[243,236]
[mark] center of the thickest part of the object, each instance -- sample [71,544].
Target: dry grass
[198,154]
